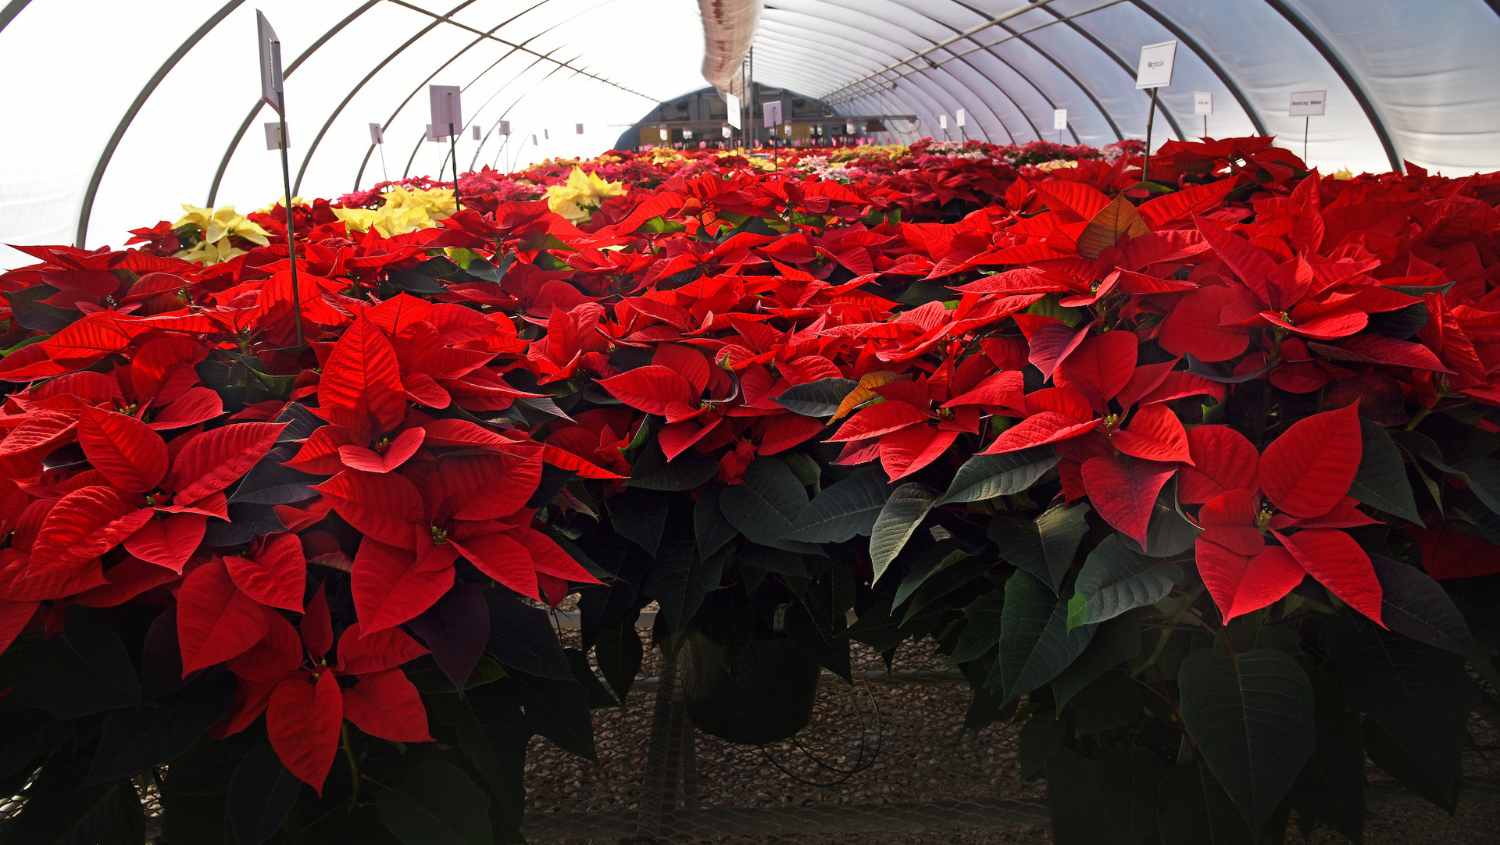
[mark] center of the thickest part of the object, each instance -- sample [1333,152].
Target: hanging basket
[748,692]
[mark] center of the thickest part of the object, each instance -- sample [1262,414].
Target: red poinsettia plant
[1195,481]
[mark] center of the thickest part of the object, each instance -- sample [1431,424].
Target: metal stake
[1150,119]
[1306,124]
[286,183]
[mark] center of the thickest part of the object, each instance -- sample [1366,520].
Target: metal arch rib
[213,189]
[135,108]
[1181,35]
[10,11]
[943,87]
[1341,67]
[362,83]
[1124,65]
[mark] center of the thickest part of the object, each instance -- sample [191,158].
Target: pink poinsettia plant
[1213,453]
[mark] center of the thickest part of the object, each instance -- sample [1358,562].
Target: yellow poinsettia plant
[216,229]
[401,210]
[577,198]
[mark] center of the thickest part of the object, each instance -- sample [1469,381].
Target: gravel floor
[923,757]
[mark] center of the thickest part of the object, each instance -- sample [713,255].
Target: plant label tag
[1308,103]
[732,103]
[432,134]
[273,136]
[772,113]
[1155,69]
[943,122]
[726,131]
[505,128]
[446,110]
[960,118]
[786,129]
[778,619]
[546,135]
[1203,102]
[270,60]
[687,133]
[665,133]
[849,128]
[377,134]
[476,132]
[578,130]
[1059,119]
[534,141]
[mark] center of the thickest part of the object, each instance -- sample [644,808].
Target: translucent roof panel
[121,111]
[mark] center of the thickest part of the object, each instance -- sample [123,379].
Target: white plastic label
[377,135]
[273,136]
[665,134]
[1308,103]
[772,113]
[476,132]
[270,60]
[578,130]
[1059,119]
[943,122]
[1203,102]
[778,619]
[446,110]
[505,128]
[732,103]
[432,133]
[960,117]
[1155,69]
[849,128]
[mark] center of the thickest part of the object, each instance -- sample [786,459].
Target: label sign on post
[1203,102]
[273,136]
[664,133]
[772,113]
[270,61]
[726,130]
[732,104]
[1059,119]
[432,134]
[1155,69]
[578,130]
[446,110]
[476,132]
[377,135]
[849,128]
[1308,103]
[943,122]
[505,128]
[960,118]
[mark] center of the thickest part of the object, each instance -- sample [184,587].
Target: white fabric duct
[728,29]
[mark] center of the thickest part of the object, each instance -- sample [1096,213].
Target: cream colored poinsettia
[401,211]
[577,198]
[218,226]
[1056,164]
[1343,175]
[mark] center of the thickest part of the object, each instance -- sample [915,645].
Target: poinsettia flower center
[1263,518]
[439,535]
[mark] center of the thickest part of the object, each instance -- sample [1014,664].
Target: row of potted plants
[1194,479]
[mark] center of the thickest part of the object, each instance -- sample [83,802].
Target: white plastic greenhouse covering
[117,111]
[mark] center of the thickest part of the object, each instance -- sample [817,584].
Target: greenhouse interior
[612,422]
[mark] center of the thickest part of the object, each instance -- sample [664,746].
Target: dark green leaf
[819,639]
[987,476]
[1073,798]
[558,710]
[1251,717]
[1195,810]
[1115,579]
[842,511]
[81,671]
[59,810]
[1381,481]
[640,516]
[1114,642]
[270,483]
[437,804]
[583,673]
[1035,641]
[817,398]
[1169,533]
[494,734]
[246,522]
[709,525]
[456,630]
[774,560]
[764,505]
[1110,701]
[26,734]
[136,739]
[982,619]
[652,470]
[194,819]
[618,654]
[1420,695]
[678,580]
[522,638]
[209,763]
[932,561]
[415,283]
[898,520]
[1040,738]
[1044,547]
[1129,783]
[261,793]
[1390,755]
[28,309]
[1417,606]
[1331,787]
[301,423]
[1483,476]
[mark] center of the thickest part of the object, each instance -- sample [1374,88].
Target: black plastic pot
[749,692]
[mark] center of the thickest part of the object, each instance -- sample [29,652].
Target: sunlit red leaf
[393,584]
[303,720]
[386,704]
[1309,468]
[1338,563]
[215,621]
[1222,460]
[1123,490]
[377,651]
[650,389]
[131,456]
[215,459]
[168,542]
[1241,584]
[276,576]
[361,384]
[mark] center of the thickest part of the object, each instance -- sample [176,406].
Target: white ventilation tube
[728,30]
